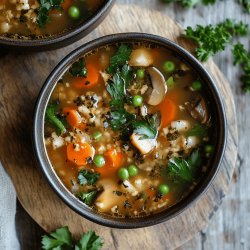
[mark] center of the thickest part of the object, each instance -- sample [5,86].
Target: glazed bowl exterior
[66,195]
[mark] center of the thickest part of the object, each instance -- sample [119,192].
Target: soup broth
[127,129]
[30,18]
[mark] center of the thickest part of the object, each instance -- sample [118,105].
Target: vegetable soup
[42,18]
[127,129]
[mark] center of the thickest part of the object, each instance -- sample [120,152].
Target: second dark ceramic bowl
[217,112]
[61,40]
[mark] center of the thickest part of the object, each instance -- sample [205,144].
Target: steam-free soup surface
[127,129]
[33,18]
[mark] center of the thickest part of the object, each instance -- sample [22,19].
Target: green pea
[140,74]
[123,174]
[132,170]
[209,149]
[99,161]
[74,12]
[137,100]
[97,135]
[170,82]
[163,189]
[168,66]
[196,85]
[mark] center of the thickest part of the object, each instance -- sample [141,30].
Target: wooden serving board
[21,78]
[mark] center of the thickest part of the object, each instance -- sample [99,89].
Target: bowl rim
[65,36]
[53,179]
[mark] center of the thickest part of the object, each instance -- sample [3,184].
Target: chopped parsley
[242,57]
[62,239]
[52,118]
[43,11]
[120,81]
[147,128]
[79,68]
[199,130]
[183,169]
[87,177]
[87,197]
[120,58]
[246,5]
[211,39]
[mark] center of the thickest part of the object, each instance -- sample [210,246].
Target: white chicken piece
[57,141]
[141,58]
[180,125]
[145,146]
[128,187]
[107,198]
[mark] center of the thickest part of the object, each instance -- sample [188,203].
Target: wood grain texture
[17,98]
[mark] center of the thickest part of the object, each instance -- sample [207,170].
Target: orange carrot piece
[168,111]
[114,161]
[72,116]
[79,153]
[114,158]
[90,81]
[66,4]
[151,193]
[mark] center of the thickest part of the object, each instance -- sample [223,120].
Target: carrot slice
[115,158]
[168,111]
[114,161]
[78,153]
[90,81]
[72,116]
[66,4]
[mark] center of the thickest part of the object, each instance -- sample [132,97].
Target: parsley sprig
[211,39]
[62,239]
[79,68]
[183,169]
[190,3]
[246,5]
[147,128]
[242,57]
[43,11]
[87,177]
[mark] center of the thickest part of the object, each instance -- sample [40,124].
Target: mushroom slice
[198,109]
[106,200]
[140,58]
[158,91]
[145,146]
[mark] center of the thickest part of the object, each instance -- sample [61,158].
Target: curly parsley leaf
[43,11]
[87,177]
[60,239]
[89,241]
[120,119]
[79,68]
[242,57]
[87,197]
[198,130]
[212,39]
[190,3]
[52,118]
[119,82]
[120,58]
[148,128]
[181,168]
[246,5]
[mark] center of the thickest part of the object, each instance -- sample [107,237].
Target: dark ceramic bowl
[217,112]
[61,40]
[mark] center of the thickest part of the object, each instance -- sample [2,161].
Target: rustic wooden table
[230,228]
